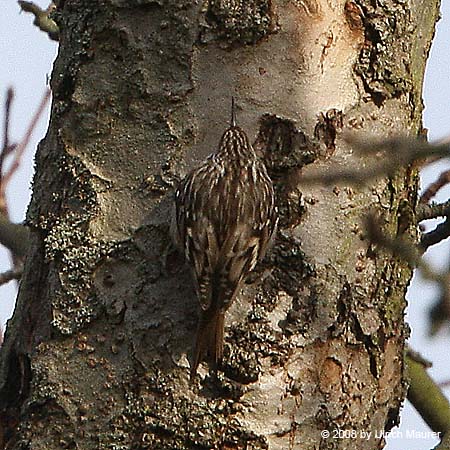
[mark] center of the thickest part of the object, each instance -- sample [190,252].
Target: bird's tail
[209,340]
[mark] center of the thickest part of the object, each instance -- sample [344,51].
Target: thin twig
[433,188]
[412,255]
[5,146]
[394,154]
[404,250]
[20,148]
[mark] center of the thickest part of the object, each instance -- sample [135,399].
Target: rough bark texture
[97,354]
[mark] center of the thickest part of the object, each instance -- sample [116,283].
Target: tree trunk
[97,354]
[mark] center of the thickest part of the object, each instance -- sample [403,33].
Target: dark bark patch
[251,340]
[238,439]
[18,378]
[77,32]
[369,343]
[383,61]
[285,149]
[237,23]
[290,265]
[283,146]
[240,364]
[328,124]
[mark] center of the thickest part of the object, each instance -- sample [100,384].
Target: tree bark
[97,353]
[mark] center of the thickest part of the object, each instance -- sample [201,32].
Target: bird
[225,219]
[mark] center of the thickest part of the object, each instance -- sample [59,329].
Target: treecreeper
[225,217]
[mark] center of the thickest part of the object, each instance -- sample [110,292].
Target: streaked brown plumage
[225,218]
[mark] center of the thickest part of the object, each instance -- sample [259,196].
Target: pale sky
[27,56]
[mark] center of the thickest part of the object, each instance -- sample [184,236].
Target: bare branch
[416,356]
[9,275]
[42,18]
[411,254]
[426,396]
[14,236]
[397,246]
[441,232]
[433,188]
[425,212]
[393,153]
[405,250]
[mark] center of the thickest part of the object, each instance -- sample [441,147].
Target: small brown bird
[225,219]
